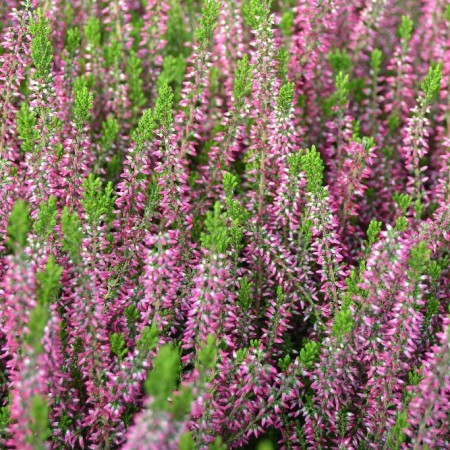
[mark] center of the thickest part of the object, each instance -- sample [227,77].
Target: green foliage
[163,106]
[255,12]
[187,441]
[208,22]
[401,224]
[118,345]
[217,444]
[182,403]
[373,231]
[134,71]
[342,87]
[403,201]
[93,32]
[342,422]
[73,41]
[36,327]
[394,121]
[434,270]
[419,259]
[447,13]
[82,103]
[285,98]
[98,203]
[172,73]
[284,363]
[48,282]
[287,23]
[145,128]
[265,445]
[216,239]
[177,33]
[431,84]
[312,166]
[112,52]
[295,164]
[46,220]
[41,47]
[432,307]
[132,314]
[396,434]
[242,81]
[148,339]
[405,29]
[39,426]
[244,294]
[309,354]
[340,61]
[282,57]
[163,379]
[72,233]
[18,225]
[343,323]
[207,354]
[110,130]
[376,57]
[26,127]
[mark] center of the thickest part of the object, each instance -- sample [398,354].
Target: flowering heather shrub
[225,224]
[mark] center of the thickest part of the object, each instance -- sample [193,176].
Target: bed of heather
[225,224]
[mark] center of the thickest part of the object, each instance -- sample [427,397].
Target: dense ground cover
[224,220]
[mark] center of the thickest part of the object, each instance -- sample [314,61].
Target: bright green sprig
[110,130]
[207,354]
[41,47]
[242,81]
[282,57]
[244,294]
[163,379]
[216,239]
[285,97]
[39,426]
[98,203]
[72,233]
[309,354]
[148,339]
[343,323]
[145,128]
[208,22]
[255,12]
[312,166]
[46,220]
[48,282]
[340,61]
[112,52]
[287,23]
[172,73]
[186,442]
[73,41]
[405,29]
[26,127]
[118,345]
[431,84]
[376,57]
[36,327]
[163,107]
[135,90]
[19,223]
[92,32]
[373,231]
[83,102]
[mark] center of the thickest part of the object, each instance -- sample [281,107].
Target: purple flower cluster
[225,224]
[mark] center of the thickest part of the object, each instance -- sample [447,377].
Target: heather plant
[224,224]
